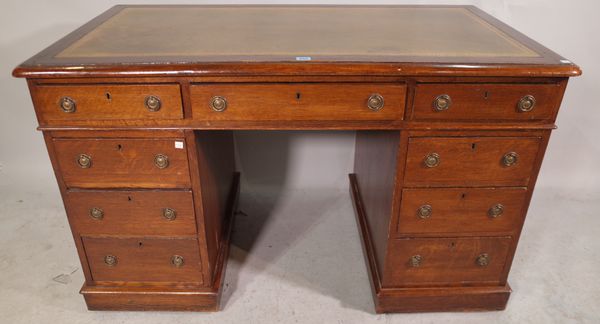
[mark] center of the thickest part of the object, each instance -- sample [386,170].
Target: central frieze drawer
[298,101]
[144,259]
[131,212]
[480,102]
[447,261]
[470,161]
[107,101]
[123,163]
[461,210]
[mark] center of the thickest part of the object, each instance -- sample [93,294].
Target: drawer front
[299,101]
[127,163]
[478,102]
[461,210]
[131,212]
[143,259]
[448,261]
[107,101]
[470,161]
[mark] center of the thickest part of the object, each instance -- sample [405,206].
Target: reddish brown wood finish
[143,259]
[464,211]
[470,161]
[298,101]
[123,162]
[129,212]
[446,261]
[106,101]
[477,102]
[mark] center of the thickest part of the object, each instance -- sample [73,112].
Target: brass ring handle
[424,211]
[442,102]
[96,213]
[495,211]
[152,103]
[510,159]
[169,213]
[526,103]
[415,261]
[375,102]
[218,103]
[110,260]
[177,261]
[483,260]
[161,161]
[432,160]
[67,105]
[84,161]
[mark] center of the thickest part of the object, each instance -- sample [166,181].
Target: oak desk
[453,111]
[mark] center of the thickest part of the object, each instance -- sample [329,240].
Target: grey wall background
[314,159]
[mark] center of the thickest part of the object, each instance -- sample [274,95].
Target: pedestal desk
[452,110]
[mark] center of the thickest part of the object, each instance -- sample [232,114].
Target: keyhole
[452,245]
[119,147]
[140,244]
[298,95]
[463,195]
[473,145]
[108,97]
[129,198]
[486,95]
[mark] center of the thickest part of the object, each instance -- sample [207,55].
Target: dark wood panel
[124,162]
[216,171]
[445,261]
[106,101]
[298,101]
[461,210]
[470,161]
[376,180]
[130,212]
[143,259]
[481,101]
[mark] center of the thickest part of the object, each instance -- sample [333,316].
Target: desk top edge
[46,64]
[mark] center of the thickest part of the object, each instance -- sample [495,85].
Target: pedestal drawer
[470,161]
[479,102]
[144,259]
[461,210]
[129,212]
[446,261]
[128,163]
[107,101]
[298,101]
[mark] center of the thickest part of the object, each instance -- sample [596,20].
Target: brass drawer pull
[161,161]
[218,103]
[67,105]
[110,260]
[152,103]
[84,161]
[526,103]
[424,211]
[432,160]
[375,102]
[169,213]
[415,261]
[495,211]
[510,159]
[483,260]
[177,261]
[96,213]
[442,102]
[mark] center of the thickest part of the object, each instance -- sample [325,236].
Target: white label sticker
[178,144]
[303,58]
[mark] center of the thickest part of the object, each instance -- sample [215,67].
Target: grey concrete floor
[296,258]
